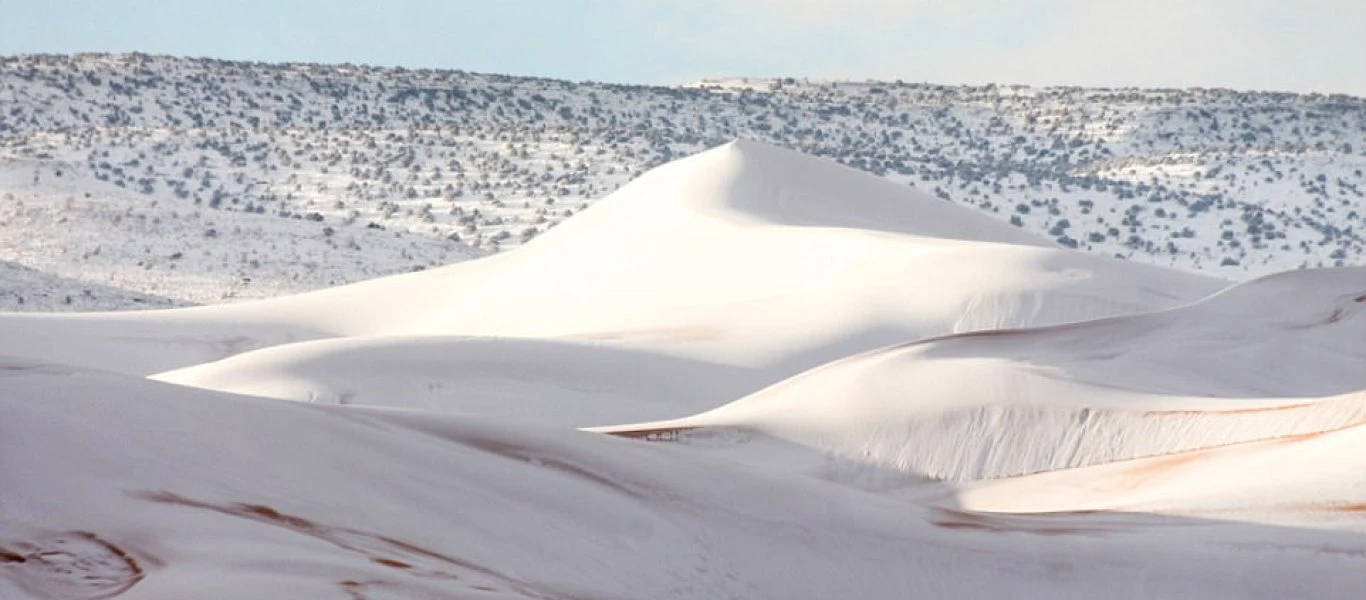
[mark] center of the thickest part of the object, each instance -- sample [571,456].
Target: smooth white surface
[877,376]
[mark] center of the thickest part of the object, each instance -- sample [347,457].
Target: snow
[1314,485]
[1273,357]
[217,496]
[206,181]
[544,381]
[748,373]
[717,256]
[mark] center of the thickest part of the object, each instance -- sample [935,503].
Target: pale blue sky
[1301,45]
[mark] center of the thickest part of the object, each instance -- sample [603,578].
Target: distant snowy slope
[170,248]
[1276,356]
[208,181]
[23,287]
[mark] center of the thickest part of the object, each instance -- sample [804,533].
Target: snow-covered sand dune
[1282,355]
[747,263]
[875,378]
[715,256]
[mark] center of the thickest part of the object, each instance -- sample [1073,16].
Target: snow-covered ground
[748,373]
[268,179]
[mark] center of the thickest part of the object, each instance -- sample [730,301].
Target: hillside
[201,181]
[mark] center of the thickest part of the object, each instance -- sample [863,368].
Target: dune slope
[1277,356]
[712,257]
[749,262]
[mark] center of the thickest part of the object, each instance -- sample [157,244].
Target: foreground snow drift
[154,491]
